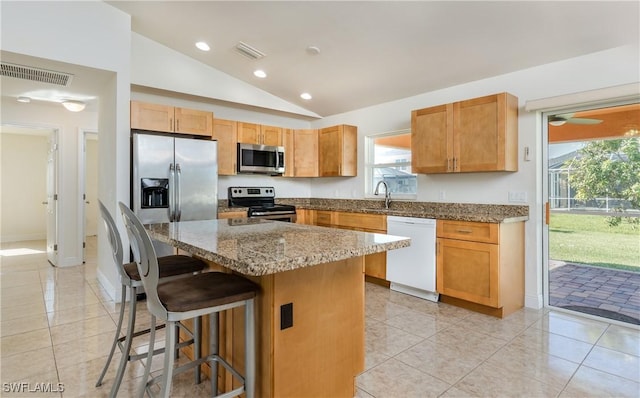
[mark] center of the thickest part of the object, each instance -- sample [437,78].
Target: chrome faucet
[387,194]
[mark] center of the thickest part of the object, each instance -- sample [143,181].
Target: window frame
[369,165]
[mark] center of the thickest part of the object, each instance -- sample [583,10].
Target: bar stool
[170,267]
[191,298]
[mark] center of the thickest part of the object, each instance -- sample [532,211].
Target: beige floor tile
[530,363]
[488,380]
[43,385]
[22,310]
[24,342]
[25,324]
[507,328]
[418,323]
[16,279]
[31,363]
[621,339]
[360,393]
[589,382]
[581,329]
[554,344]
[388,340]
[474,343]
[75,314]
[447,362]
[80,378]
[83,350]
[383,310]
[614,362]
[20,295]
[83,328]
[396,379]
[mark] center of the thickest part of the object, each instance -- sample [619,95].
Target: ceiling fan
[559,120]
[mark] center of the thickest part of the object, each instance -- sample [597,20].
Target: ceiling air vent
[248,51]
[36,74]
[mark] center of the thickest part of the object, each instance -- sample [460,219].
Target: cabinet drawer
[376,222]
[325,218]
[467,230]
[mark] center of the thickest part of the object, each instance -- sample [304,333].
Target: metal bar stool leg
[167,373]
[250,349]
[126,349]
[147,367]
[115,339]
[213,349]
[197,344]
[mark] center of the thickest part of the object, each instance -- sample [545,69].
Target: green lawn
[588,239]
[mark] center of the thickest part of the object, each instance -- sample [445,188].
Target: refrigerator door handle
[172,183]
[178,193]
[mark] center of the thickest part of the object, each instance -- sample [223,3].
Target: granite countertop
[442,211]
[260,247]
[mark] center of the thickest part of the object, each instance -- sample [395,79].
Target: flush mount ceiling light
[25,100]
[313,50]
[557,123]
[74,106]
[260,73]
[305,96]
[203,46]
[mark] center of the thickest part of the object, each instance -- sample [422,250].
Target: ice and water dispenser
[155,193]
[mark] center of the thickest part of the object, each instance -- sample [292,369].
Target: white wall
[23,161]
[50,30]
[599,70]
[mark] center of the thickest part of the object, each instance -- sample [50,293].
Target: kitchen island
[310,311]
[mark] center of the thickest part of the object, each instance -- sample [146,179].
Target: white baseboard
[18,238]
[533,301]
[113,291]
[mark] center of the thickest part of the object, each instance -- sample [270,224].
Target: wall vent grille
[36,74]
[248,51]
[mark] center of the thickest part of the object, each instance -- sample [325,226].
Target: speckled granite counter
[442,211]
[259,247]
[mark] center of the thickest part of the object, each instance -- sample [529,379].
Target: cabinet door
[271,135]
[338,151]
[376,265]
[192,121]
[249,133]
[226,132]
[431,139]
[151,117]
[305,153]
[289,152]
[485,135]
[468,271]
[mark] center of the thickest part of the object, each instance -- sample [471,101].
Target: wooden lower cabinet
[375,264]
[322,353]
[233,214]
[480,266]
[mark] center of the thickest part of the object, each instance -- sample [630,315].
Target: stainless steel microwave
[260,159]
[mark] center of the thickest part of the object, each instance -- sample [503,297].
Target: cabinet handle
[177,124]
[464,231]
[448,164]
[455,164]
[170,124]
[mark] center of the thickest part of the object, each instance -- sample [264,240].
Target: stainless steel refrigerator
[174,179]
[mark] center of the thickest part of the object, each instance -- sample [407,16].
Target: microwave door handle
[277,159]
[178,192]
[172,177]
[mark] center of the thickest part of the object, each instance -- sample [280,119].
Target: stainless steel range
[261,203]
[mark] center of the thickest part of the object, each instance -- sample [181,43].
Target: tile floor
[56,326]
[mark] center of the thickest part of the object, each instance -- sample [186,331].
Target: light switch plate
[517,197]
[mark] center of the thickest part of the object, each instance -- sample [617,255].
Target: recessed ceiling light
[25,100]
[260,73]
[305,96]
[313,50]
[203,46]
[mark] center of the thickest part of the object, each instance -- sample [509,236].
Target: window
[388,158]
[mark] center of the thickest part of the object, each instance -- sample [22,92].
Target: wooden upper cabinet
[301,152]
[338,151]
[169,119]
[226,133]
[289,149]
[432,139]
[153,117]
[192,121]
[252,133]
[271,135]
[479,134]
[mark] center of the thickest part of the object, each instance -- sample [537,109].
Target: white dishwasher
[412,270]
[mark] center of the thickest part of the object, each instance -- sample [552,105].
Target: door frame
[605,103]
[82,175]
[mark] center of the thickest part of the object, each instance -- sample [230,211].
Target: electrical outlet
[517,197]
[442,195]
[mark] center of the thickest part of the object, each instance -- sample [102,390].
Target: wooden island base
[322,353]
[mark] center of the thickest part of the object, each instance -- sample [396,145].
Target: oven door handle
[271,213]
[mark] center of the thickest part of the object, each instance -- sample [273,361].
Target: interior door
[52,199]
[90,195]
